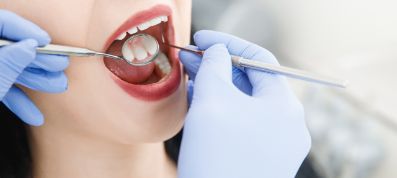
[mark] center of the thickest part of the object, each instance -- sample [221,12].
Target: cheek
[64,25]
[85,100]
[183,22]
[184,4]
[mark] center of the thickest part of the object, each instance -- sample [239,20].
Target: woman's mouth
[153,81]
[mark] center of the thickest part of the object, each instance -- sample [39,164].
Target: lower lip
[166,86]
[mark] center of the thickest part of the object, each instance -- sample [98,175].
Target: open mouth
[158,79]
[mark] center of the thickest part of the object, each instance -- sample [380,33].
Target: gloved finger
[241,81]
[215,70]
[23,107]
[13,60]
[190,61]
[14,27]
[263,84]
[190,91]
[50,63]
[41,80]
[236,46]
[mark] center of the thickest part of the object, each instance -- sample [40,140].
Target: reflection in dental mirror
[140,49]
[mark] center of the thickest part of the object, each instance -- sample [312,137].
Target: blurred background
[354,130]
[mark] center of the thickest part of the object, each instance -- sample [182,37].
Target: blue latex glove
[240,124]
[19,64]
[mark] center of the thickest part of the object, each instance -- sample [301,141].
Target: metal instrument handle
[289,72]
[58,49]
[66,50]
[265,67]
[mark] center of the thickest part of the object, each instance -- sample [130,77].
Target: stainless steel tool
[83,52]
[286,71]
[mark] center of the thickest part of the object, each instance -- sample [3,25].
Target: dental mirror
[137,50]
[140,49]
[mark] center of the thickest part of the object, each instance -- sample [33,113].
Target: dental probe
[241,62]
[83,52]
[286,71]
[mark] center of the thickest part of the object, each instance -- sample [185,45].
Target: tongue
[126,72]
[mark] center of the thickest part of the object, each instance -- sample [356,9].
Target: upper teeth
[144,26]
[133,30]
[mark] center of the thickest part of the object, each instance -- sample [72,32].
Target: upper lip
[137,19]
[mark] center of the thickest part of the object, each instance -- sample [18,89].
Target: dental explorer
[270,68]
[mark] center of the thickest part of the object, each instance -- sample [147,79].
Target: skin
[95,129]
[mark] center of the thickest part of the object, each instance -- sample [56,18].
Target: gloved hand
[19,64]
[241,124]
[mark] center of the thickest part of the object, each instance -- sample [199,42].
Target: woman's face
[106,98]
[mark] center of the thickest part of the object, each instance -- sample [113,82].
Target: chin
[165,119]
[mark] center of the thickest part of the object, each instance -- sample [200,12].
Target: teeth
[132,30]
[144,26]
[164,18]
[122,36]
[140,52]
[163,64]
[152,22]
[140,48]
[150,46]
[155,21]
[127,53]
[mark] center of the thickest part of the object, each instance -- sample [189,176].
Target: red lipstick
[165,86]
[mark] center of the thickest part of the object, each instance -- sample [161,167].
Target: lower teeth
[163,64]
